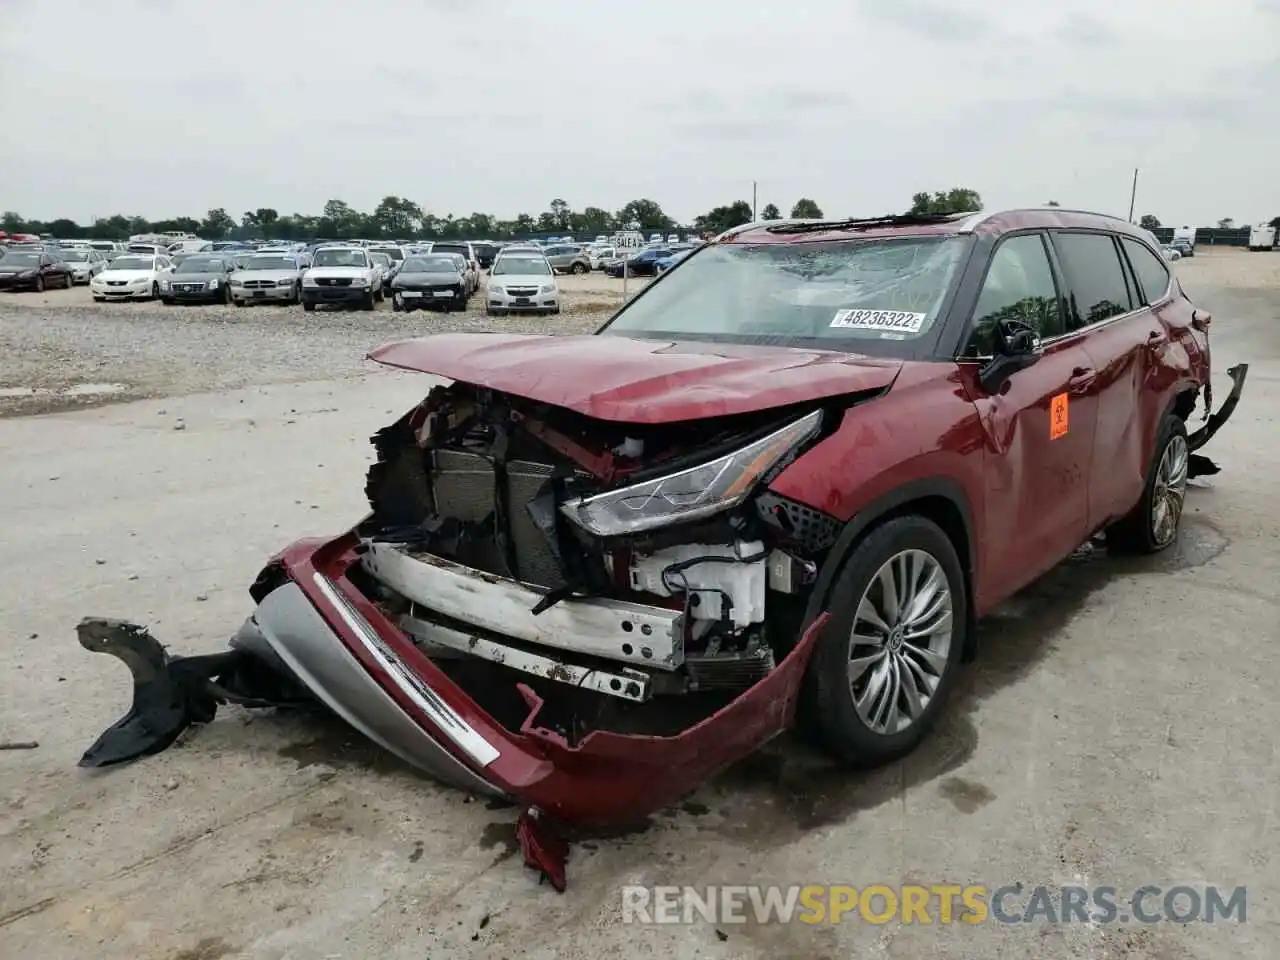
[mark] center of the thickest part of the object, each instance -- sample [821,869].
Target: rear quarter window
[1153,275]
[1095,277]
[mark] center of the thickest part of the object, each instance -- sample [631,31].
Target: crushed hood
[640,381]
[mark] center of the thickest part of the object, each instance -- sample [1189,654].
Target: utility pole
[754,218]
[1133,194]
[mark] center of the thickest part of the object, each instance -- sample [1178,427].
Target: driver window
[1018,286]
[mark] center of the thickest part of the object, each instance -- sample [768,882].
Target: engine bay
[470,547]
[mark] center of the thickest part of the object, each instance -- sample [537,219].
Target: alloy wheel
[900,644]
[1170,491]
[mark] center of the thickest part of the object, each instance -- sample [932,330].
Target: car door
[1119,334]
[1039,425]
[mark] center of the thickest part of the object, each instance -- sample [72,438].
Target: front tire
[369,301]
[883,667]
[1152,525]
[155,291]
[39,285]
[308,306]
[579,269]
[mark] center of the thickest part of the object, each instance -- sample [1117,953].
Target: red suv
[795,468]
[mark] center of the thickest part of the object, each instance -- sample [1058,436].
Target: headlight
[309,282]
[494,290]
[213,284]
[548,288]
[697,492]
[164,284]
[359,282]
[288,282]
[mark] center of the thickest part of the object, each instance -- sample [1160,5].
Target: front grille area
[522,291]
[334,281]
[464,487]
[259,284]
[188,287]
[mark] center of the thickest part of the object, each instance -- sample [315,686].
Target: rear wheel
[887,660]
[580,269]
[1152,525]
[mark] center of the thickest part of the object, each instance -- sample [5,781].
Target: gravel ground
[61,350]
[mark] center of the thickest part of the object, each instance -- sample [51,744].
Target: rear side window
[1095,276]
[1153,275]
[1018,286]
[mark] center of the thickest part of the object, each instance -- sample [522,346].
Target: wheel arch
[939,499]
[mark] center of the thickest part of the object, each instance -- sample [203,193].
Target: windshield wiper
[866,223]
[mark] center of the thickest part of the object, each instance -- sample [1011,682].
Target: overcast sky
[170,107]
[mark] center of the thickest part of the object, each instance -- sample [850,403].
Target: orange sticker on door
[1058,417]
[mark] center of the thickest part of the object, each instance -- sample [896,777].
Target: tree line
[399,218]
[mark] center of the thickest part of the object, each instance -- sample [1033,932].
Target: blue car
[643,264]
[666,263]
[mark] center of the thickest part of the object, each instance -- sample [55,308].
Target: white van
[1262,236]
[190,246]
[1186,235]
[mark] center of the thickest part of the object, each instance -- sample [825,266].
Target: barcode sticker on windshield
[886,321]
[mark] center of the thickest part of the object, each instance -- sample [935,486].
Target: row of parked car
[440,276]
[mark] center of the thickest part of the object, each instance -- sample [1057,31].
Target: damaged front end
[586,617]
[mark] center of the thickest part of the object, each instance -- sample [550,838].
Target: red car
[789,475]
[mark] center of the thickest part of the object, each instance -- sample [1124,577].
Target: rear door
[1039,425]
[1119,333]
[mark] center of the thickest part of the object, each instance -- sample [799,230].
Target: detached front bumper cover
[1202,466]
[315,639]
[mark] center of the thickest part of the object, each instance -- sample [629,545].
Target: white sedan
[131,276]
[521,284]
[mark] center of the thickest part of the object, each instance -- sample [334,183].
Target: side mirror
[1016,347]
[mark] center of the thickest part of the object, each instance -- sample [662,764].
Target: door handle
[1082,379]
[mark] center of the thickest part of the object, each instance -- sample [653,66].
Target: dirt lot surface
[62,351]
[1117,730]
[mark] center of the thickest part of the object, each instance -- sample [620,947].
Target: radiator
[464,489]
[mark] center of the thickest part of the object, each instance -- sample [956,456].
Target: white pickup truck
[341,275]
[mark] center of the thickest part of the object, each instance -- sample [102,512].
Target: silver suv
[568,259]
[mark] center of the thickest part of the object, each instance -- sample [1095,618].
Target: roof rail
[971,224]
